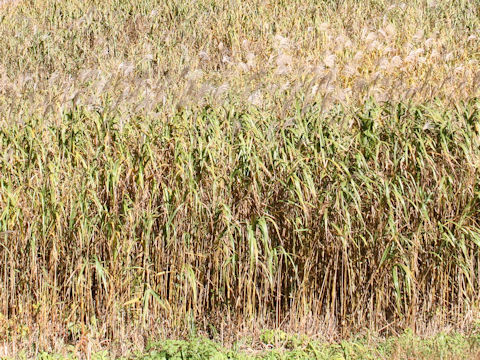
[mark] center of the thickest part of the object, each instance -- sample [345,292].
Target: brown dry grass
[173,167]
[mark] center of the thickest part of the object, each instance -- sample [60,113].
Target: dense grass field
[176,169]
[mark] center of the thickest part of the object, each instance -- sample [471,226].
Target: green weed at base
[406,346]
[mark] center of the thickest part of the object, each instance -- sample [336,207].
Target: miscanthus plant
[183,166]
[214,219]
[149,56]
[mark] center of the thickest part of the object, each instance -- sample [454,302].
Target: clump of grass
[325,222]
[195,167]
[149,56]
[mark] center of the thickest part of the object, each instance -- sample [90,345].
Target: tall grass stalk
[218,218]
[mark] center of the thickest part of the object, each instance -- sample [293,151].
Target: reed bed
[211,218]
[169,168]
